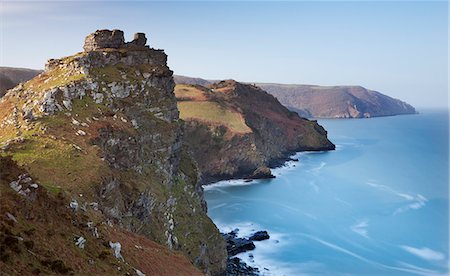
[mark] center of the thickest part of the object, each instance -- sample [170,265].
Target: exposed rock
[139,40]
[116,246]
[236,266]
[139,273]
[237,245]
[262,172]
[259,236]
[11,217]
[80,242]
[104,39]
[73,205]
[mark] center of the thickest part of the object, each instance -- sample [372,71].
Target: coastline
[245,230]
[273,164]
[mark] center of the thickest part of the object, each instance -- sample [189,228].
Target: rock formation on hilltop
[238,130]
[102,126]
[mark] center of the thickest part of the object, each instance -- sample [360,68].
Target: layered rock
[104,39]
[105,123]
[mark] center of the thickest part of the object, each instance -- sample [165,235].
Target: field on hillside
[214,113]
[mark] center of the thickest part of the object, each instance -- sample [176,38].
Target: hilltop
[314,101]
[238,130]
[10,77]
[96,140]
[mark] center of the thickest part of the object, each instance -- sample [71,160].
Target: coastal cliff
[237,130]
[314,101]
[102,126]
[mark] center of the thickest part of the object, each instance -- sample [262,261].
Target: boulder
[139,40]
[104,39]
[237,245]
[260,236]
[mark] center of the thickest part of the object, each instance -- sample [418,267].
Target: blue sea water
[378,205]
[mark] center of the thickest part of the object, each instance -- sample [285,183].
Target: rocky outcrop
[102,125]
[315,101]
[104,39]
[238,130]
[237,245]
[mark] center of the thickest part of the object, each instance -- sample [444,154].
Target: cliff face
[337,101]
[237,130]
[102,126]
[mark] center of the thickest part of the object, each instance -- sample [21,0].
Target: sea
[377,205]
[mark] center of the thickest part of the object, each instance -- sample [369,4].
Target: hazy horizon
[396,48]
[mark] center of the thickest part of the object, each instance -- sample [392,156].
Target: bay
[378,205]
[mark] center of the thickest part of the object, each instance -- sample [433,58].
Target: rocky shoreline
[235,245]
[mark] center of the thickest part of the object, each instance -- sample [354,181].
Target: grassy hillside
[214,114]
[236,130]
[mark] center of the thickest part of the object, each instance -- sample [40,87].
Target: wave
[230,183]
[424,253]
[404,268]
[360,228]
[416,201]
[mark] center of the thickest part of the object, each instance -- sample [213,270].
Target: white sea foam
[421,270]
[343,201]
[287,166]
[262,253]
[228,183]
[424,253]
[405,268]
[360,228]
[218,206]
[415,202]
[418,202]
[313,184]
[317,169]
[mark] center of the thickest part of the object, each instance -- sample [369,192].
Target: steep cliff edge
[238,130]
[102,126]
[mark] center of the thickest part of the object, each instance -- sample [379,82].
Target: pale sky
[398,48]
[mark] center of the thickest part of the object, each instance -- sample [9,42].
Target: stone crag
[103,39]
[102,125]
